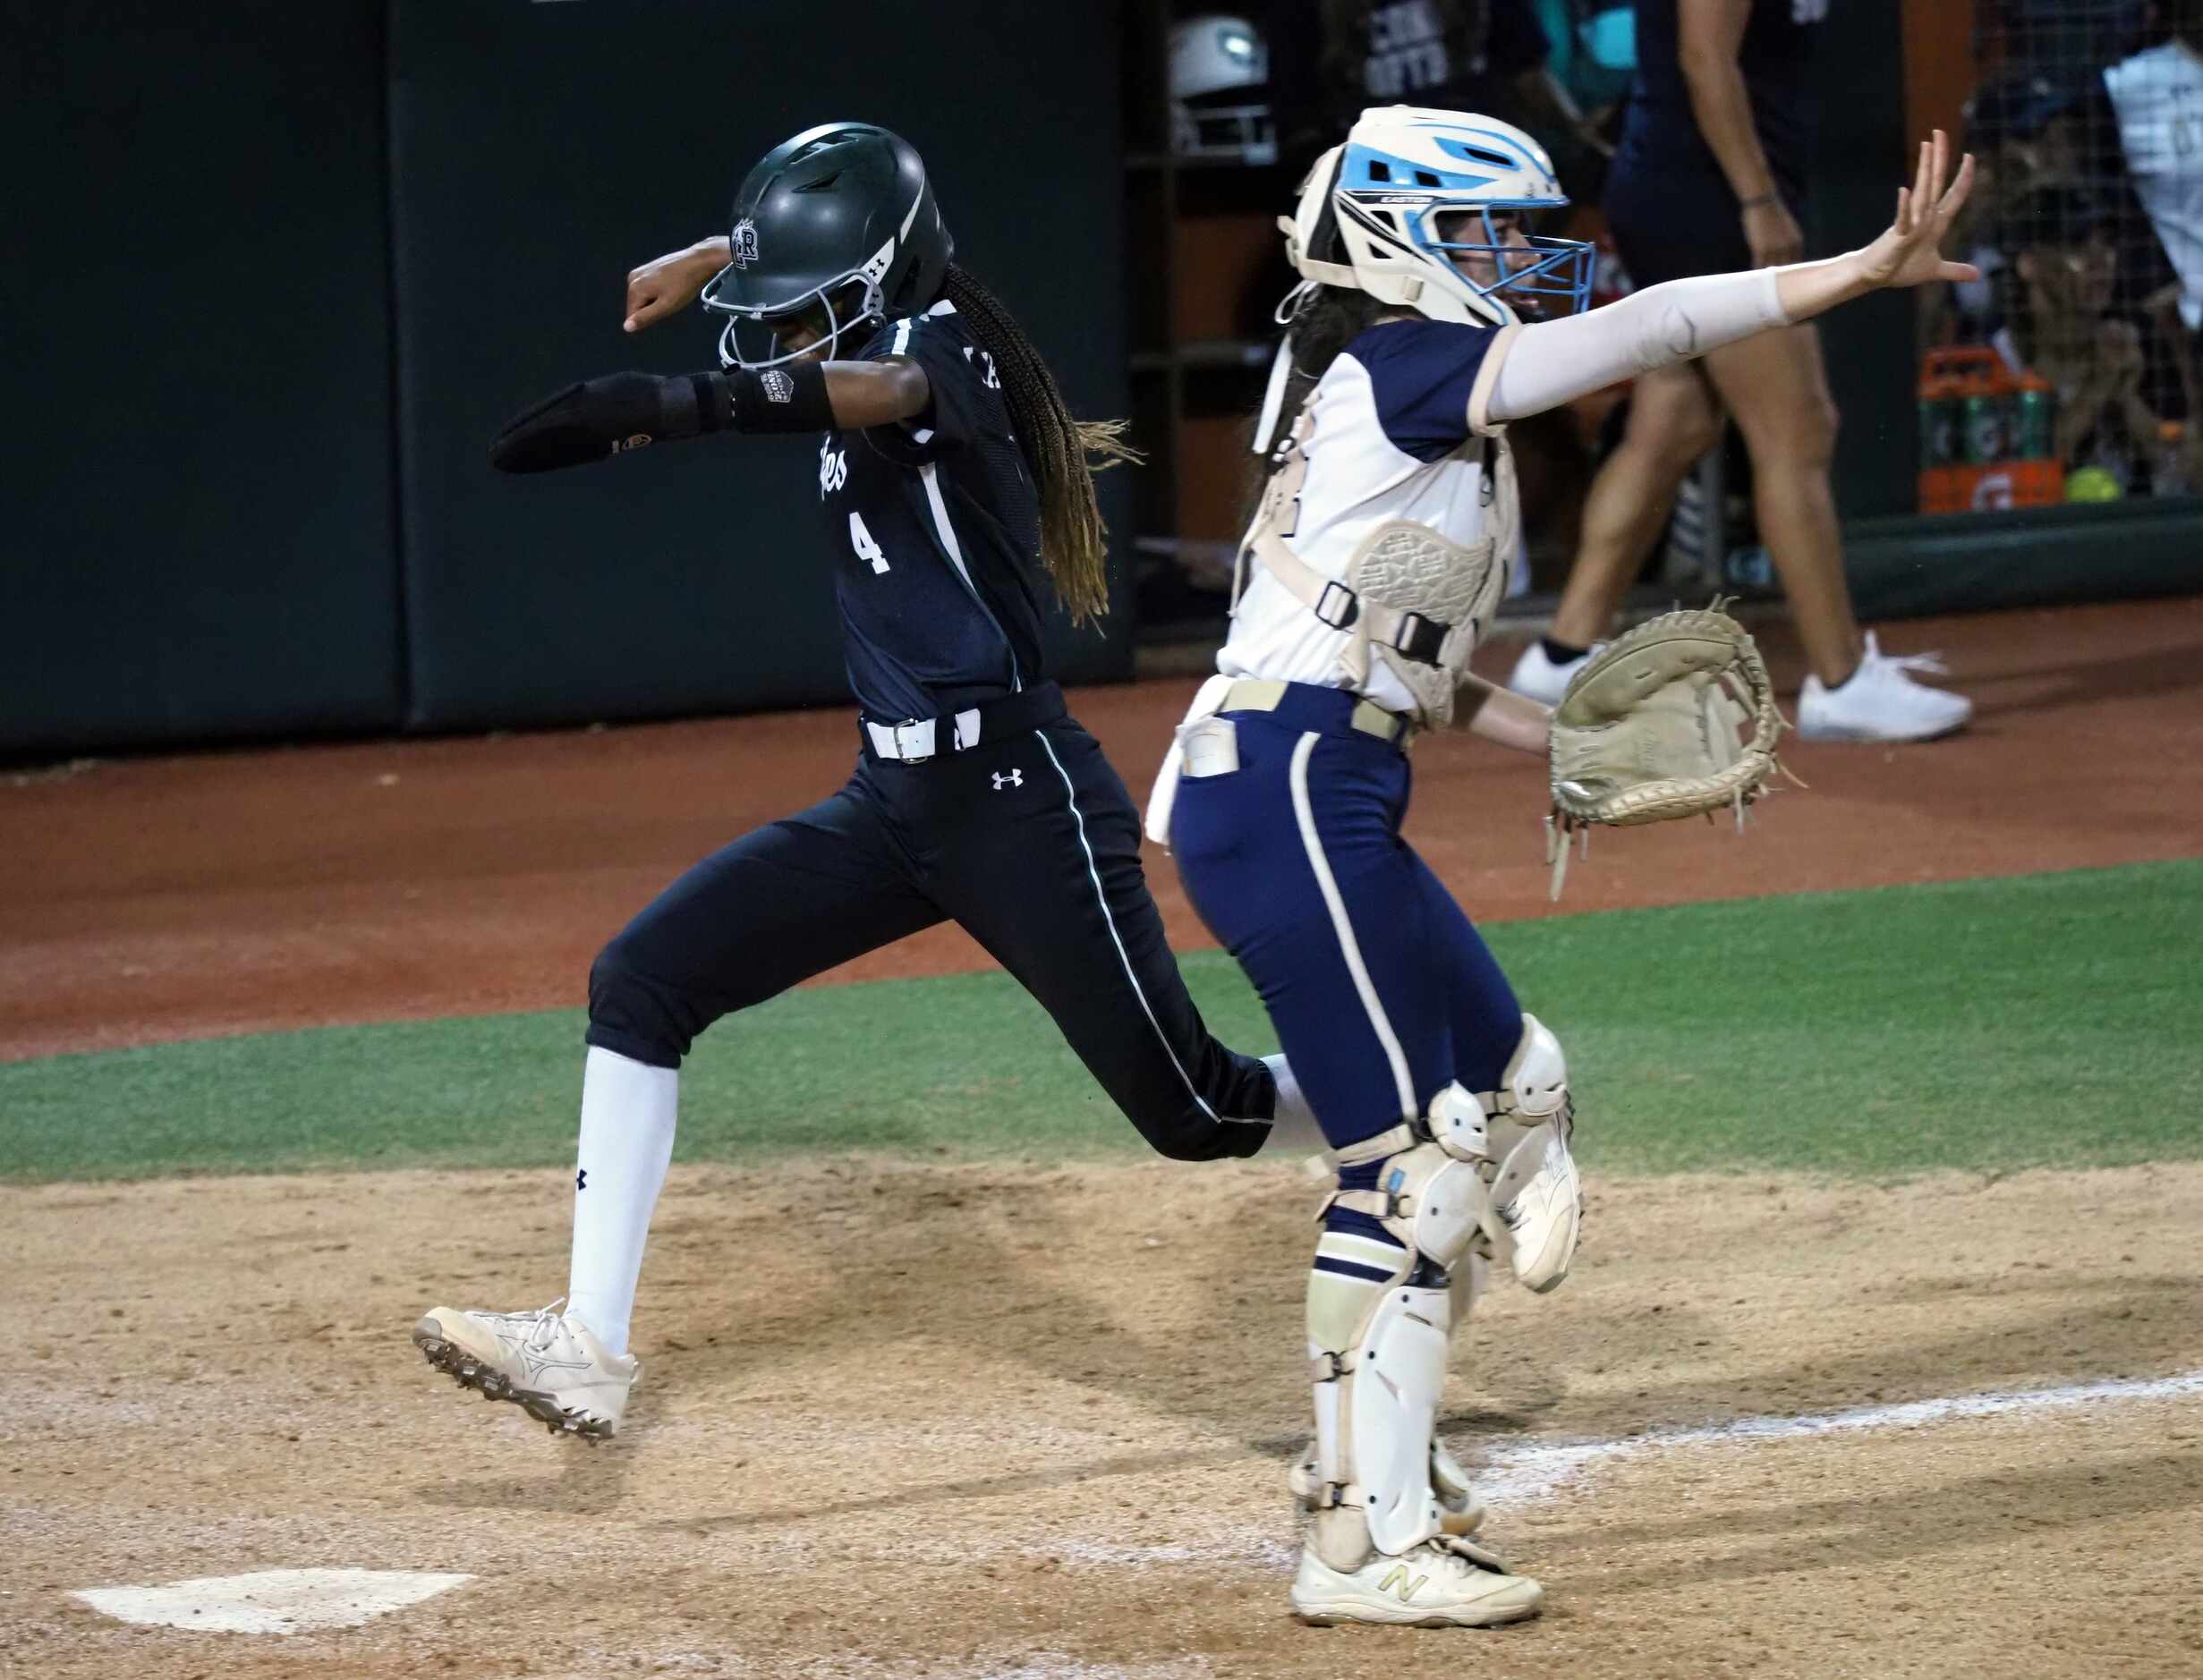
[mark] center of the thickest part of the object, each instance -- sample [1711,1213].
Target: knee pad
[1536,1196]
[1516,1138]
[1428,1200]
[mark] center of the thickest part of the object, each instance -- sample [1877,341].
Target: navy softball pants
[1380,990]
[1030,842]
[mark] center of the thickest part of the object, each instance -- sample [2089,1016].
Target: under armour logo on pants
[1008,778]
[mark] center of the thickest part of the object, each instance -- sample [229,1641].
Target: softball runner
[1373,564]
[948,465]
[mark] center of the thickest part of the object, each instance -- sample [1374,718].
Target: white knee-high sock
[627,1118]
[1293,1127]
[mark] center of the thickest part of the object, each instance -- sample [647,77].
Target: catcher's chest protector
[1370,569]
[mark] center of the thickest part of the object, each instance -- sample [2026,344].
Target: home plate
[273,1601]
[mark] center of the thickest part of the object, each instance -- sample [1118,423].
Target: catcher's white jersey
[1399,433]
[2158,95]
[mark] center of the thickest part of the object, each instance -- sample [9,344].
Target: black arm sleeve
[603,418]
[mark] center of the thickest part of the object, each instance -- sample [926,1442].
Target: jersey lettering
[987,376]
[1407,49]
[861,542]
[833,470]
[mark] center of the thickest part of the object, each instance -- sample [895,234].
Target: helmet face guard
[1556,268]
[846,304]
[1370,214]
[835,232]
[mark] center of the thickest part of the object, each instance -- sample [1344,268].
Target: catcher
[1429,315]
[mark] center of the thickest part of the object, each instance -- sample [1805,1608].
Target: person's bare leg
[1777,387]
[1672,422]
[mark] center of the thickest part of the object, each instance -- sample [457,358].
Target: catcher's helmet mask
[1374,214]
[836,230]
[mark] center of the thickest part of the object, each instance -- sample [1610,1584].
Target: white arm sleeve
[1553,362]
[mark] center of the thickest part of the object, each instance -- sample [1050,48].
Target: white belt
[913,741]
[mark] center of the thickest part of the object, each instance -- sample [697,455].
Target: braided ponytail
[1064,453]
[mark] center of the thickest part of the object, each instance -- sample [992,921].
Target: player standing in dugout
[1707,180]
[949,471]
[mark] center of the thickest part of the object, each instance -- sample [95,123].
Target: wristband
[624,411]
[1764,199]
[789,398]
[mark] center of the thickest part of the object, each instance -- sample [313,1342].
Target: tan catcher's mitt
[1653,728]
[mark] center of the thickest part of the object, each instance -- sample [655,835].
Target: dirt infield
[178,897]
[1023,1422]
[1015,1420]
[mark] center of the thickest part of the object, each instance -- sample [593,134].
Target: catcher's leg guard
[1517,1137]
[1536,1201]
[1379,1316]
[1337,1301]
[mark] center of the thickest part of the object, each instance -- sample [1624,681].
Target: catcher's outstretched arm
[1502,715]
[1552,362]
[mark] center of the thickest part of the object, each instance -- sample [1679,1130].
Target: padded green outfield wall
[278,271]
[198,526]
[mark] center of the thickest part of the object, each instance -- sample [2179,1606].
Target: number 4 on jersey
[861,542]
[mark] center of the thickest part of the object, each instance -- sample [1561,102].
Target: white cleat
[1540,1209]
[1880,702]
[546,1362]
[1446,1583]
[1536,677]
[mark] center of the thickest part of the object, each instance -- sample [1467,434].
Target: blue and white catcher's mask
[1369,213]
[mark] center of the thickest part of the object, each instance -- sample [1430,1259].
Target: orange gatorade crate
[1988,436]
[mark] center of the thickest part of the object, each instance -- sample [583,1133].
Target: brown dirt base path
[1018,1421]
[164,898]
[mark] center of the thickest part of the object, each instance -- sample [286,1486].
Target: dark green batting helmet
[837,228]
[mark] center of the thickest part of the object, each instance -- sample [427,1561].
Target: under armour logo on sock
[581,1179]
[1008,778]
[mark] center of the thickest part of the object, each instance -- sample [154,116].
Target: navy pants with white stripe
[1030,842]
[1380,990]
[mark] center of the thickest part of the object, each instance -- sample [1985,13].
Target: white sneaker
[1539,678]
[1880,702]
[547,1362]
[1445,1582]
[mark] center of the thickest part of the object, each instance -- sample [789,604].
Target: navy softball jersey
[934,528]
[1000,814]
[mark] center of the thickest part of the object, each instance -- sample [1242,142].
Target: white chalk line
[284,1601]
[1514,1476]
[1521,1475]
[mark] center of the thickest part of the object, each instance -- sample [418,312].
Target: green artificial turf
[1979,1024]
